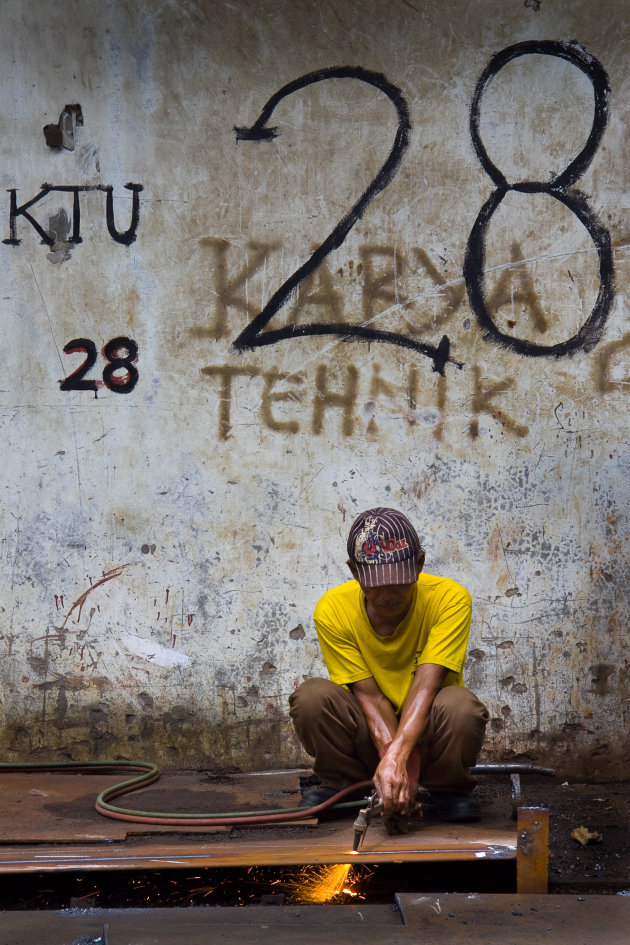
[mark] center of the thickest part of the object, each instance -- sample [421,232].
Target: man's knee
[461,708]
[310,696]
[322,704]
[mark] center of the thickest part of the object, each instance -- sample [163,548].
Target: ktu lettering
[125,237]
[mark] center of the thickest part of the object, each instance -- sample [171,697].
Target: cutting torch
[374,806]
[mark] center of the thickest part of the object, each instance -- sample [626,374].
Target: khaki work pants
[332,728]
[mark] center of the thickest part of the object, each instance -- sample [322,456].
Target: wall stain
[601,673]
[59,229]
[603,362]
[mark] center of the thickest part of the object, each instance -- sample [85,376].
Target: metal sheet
[42,807]
[48,818]
[449,919]
[331,844]
[498,919]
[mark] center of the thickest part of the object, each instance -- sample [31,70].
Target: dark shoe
[317,795]
[456,808]
[308,781]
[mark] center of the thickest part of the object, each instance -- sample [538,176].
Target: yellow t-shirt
[434,631]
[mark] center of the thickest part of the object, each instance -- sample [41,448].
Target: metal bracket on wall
[61,135]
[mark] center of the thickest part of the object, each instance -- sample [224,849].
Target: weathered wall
[382,304]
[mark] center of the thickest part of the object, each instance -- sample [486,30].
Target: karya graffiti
[257,333]
[382,276]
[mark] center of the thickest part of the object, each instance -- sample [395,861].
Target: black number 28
[120,354]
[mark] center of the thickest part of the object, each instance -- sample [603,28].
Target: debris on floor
[584,836]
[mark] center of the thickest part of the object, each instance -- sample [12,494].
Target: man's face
[389,601]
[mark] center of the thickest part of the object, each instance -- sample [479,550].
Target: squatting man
[395,708]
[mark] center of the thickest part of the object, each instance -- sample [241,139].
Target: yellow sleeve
[448,636]
[342,656]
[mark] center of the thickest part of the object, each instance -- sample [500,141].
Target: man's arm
[396,777]
[378,711]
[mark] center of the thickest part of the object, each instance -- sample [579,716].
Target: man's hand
[397,740]
[396,780]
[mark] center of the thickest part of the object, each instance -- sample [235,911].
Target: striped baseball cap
[384,546]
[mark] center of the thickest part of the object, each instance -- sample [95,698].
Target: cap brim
[396,572]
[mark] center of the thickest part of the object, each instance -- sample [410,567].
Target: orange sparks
[321,884]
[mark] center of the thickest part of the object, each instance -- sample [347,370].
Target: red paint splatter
[174,638]
[58,601]
[167,593]
[190,619]
[25,679]
[80,601]
[49,637]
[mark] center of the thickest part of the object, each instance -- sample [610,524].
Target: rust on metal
[331,847]
[48,823]
[532,862]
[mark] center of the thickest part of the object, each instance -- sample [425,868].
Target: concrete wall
[413,294]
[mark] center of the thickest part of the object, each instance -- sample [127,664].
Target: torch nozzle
[374,806]
[360,826]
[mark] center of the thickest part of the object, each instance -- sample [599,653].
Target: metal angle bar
[532,858]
